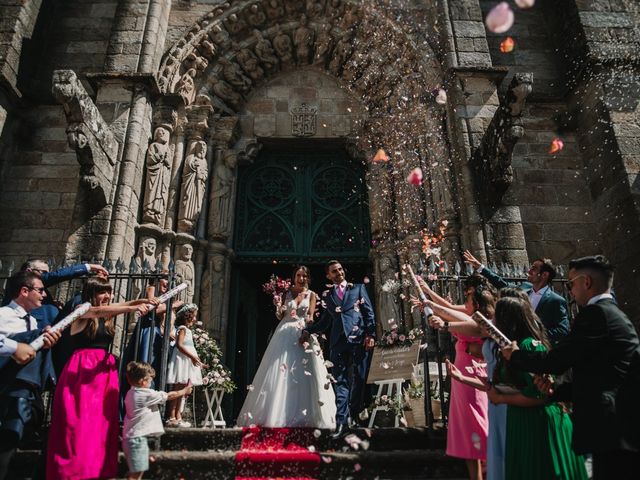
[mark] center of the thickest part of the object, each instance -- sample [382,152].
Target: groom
[349,315]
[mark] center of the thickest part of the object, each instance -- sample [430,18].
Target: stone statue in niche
[315,8]
[341,53]
[146,256]
[274,9]
[234,76]
[225,92]
[323,45]
[158,176]
[250,64]
[205,299]
[210,49]
[217,279]
[197,61]
[303,40]
[194,181]
[185,271]
[235,25]
[264,51]
[283,47]
[221,196]
[335,9]
[186,87]
[255,16]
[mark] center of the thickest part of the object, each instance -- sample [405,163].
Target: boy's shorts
[136,450]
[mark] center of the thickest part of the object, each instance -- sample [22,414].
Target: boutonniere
[338,309]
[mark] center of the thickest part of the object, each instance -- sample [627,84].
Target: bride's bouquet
[276,287]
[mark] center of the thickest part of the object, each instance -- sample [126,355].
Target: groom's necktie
[340,292]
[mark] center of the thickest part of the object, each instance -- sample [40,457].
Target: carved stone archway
[206,79]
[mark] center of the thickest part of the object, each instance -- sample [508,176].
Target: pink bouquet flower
[276,287]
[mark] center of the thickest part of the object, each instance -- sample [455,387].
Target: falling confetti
[441,97]
[556,145]
[415,177]
[381,156]
[317,433]
[366,280]
[500,18]
[507,45]
[525,3]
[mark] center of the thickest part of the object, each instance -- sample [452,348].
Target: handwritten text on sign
[390,363]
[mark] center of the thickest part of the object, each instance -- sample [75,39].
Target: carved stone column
[214,291]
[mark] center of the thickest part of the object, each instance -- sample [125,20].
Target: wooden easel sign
[393,363]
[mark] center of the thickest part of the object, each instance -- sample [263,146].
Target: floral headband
[187,308]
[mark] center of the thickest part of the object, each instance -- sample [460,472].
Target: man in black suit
[603,350]
[548,305]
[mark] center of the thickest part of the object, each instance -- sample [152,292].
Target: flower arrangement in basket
[392,404]
[216,375]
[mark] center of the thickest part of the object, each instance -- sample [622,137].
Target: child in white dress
[185,365]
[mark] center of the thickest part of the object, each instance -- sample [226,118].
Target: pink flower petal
[500,18]
[441,97]
[556,145]
[415,177]
[525,3]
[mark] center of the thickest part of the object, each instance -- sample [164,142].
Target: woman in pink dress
[468,420]
[83,439]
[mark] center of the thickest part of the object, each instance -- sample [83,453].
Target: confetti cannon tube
[167,295]
[493,331]
[38,343]
[423,298]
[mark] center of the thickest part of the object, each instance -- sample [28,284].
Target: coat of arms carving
[303,120]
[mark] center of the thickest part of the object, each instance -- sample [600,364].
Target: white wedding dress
[291,387]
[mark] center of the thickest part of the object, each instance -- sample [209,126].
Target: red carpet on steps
[277,453]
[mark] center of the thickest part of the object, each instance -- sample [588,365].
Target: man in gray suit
[548,305]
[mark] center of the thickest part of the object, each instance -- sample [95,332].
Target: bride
[291,387]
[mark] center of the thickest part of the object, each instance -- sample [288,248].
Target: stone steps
[194,454]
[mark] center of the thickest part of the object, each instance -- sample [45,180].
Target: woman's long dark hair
[517,320]
[92,287]
[305,269]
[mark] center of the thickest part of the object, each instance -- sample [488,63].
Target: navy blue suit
[552,308]
[349,321]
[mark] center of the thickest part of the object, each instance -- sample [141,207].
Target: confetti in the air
[381,156]
[500,18]
[441,97]
[525,3]
[507,45]
[415,177]
[556,145]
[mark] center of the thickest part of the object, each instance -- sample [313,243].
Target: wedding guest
[143,418]
[538,433]
[468,425]
[185,365]
[603,351]
[25,374]
[83,439]
[550,307]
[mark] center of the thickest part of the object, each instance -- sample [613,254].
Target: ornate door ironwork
[302,207]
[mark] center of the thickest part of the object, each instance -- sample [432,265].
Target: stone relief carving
[250,64]
[323,45]
[186,86]
[220,37]
[87,132]
[388,268]
[220,214]
[264,51]
[341,53]
[158,176]
[194,180]
[492,160]
[335,9]
[283,46]
[256,16]
[350,18]
[233,75]
[315,8]
[234,24]
[293,6]
[217,292]
[303,39]
[274,9]
[225,92]
[303,120]
[185,271]
[146,256]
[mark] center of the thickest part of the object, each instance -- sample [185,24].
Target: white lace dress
[291,387]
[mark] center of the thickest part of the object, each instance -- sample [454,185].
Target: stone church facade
[124,124]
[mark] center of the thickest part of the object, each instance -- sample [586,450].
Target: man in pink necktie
[349,317]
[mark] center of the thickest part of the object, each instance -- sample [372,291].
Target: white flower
[338,309]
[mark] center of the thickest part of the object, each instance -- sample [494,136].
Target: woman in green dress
[538,442]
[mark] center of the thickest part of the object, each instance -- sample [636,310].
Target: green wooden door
[302,208]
